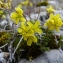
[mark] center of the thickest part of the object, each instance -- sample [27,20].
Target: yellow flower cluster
[4,36]
[17,16]
[27,3]
[50,10]
[28,30]
[2,15]
[54,22]
[1,12]
[6,5]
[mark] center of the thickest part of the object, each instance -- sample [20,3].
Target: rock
[3,55]
[4,22]
[2,60]
[59,33]
[40,59]
[53,56]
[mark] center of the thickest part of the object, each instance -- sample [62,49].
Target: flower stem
[18,45]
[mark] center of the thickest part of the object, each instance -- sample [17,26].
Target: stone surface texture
[53,56]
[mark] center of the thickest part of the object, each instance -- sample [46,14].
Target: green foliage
[30,51]
[2,14]
[50,40]
[16,42]
[4,38]
[43,48]
[60,41]
[45,3]
[45,43]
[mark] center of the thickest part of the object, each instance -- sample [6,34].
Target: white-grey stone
[2,55]
[4,22]
[2,60]
[59,32]
[40,59]
[53,56]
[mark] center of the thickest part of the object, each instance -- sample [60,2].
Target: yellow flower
[19,10]
[1,12]
[14,17]
[31,4]
[19,5]
[1,3]
[50,9]
[23,19]
[35,27]
[31,39]
[27,34]
[23,3]
[18,15]
[3,16]
[54,22]
[27,3]
[28,30]
[25,30]
[6,5]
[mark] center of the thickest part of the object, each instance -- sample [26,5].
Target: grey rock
[53,56]
[3,55]
[40,59]
[60,32]
[2,60]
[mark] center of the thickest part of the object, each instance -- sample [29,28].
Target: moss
[49,40]
[27,52]
[45,3]
[4,38]
[30,52]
